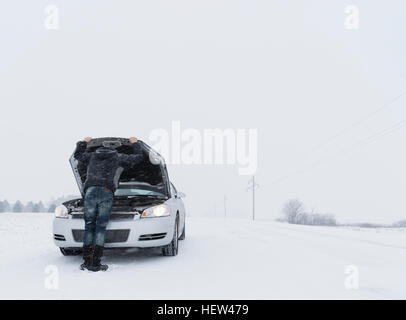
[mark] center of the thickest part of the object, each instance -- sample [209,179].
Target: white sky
[288,68]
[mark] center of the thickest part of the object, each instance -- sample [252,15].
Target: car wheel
[183,235]
[172,248]
[70,252]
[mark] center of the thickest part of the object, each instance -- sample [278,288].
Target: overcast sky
[288,68]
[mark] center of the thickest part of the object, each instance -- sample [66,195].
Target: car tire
[171,249]
[183,235]
[70,252]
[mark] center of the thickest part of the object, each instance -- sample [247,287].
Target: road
[220,259]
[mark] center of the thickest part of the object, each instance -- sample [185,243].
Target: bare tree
[294,213]
[303,218]
[293,209]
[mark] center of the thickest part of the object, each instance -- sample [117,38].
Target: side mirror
[180,195]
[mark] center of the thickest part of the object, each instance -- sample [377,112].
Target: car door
[178,202]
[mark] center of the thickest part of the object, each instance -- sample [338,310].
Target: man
[104,167]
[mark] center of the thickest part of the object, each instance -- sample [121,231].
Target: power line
[225,206]
[342,132]
[358,122]
[359,144]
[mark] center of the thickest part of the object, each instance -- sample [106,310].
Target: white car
[147,211]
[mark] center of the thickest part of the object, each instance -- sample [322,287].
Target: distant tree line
[31,206]
[294,212]
[400,224]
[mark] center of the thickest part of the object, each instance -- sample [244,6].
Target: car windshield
[133,192]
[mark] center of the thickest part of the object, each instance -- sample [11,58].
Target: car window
[121,192]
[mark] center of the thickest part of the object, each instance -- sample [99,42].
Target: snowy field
[220,259]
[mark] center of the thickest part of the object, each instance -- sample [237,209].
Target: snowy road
[220,259]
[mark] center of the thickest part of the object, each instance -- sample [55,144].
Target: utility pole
[253,185]
[225,206]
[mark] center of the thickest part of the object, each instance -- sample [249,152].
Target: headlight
[157,211]
[61,212]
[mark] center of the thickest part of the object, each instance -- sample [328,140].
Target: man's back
[105,165]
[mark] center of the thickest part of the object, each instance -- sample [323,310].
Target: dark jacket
[105,165]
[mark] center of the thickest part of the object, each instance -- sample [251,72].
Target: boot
[97,255]
[87,257]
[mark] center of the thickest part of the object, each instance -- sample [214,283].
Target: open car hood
[151,173]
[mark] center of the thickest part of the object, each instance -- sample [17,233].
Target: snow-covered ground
[220,259]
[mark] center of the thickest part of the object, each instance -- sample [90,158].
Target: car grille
[153,236]
[123,208]
[112,236]
[113,216]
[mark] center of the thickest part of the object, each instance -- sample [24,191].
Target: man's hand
[133,140]
[87,139]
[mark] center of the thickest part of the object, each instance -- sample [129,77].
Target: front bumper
[140,232]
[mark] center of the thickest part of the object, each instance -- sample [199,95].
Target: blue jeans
[98,204]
